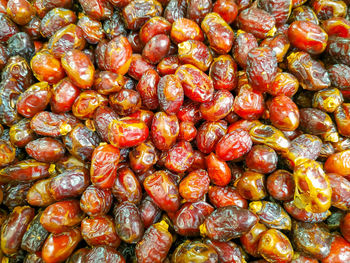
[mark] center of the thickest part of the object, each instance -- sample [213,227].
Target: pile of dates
[175,131]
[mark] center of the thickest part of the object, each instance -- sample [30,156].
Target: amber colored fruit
[79,68]
[99,231]
[284,113]
[280,185]
[25,171]
[46,67]
[196,53]
[127,132]
[118,55]
[227,9]
[102,117]
[20,11]
[184,29]
[328,100]
[274,246]
[280,10]
[14,228]
[249,104]
[313,191]
[81,142]
[342,118]
[218,170]
[242,45]
[168,65]
[262,159]
[250,240]
[147,88]
[270,136]
[228,222]
[195,185]
[252,186]
[312,239]
[56,19]
[340,251]
[261,68]
[86,104]
[302,215]
[196,84]
[340,191]
[136,13]
[104,163]
[69,184]
[128,223]
[257,22]
[61,216]
[161,188]
[191,251]
[226,196]
[301,64]
[125,102]
[190,216]
[7,153]
[64,94]
[45,149]
[107,82]
[127,187]
[154,26]
[308,37]
[338,163]
[279,44]
[223,72]
[218,32]
[209,133]
[271,214]
[156,48]
[39,194]
[180,157]
[59,247]
[155,244]
[218,107]
[337,26]
[34,99]
[67,38]
[170,94]
[233,145]
[164,130]
[95,201]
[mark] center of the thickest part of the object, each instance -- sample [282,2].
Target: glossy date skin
[222,224]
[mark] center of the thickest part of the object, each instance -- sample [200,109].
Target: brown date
[161,188]
[155,244]
[95,201]
[99,231]
[218,32]
[190,216]
[191,251]
[228,222]
[61,216]
[128,222]
[14,227]
[45,149]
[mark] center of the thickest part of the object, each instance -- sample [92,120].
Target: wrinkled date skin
[127,132]
[61,216]
[161,188]
[313,190]
[219,33]
[261,68]
[155,244]
[194,251]
[104,167]
[14,228]
[190,216]
[228,222]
